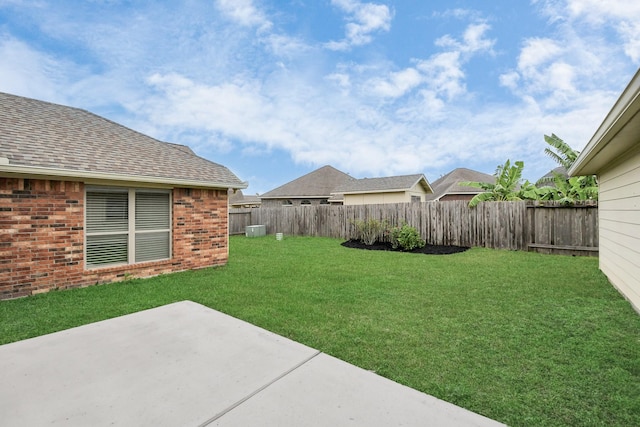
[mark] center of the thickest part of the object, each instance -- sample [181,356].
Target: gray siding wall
[619,216]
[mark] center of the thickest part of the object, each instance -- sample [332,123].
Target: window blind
[152,211]
[107,212]
[153,217]
[126,226]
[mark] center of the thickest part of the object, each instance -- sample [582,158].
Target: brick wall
[200,224]
[42,237]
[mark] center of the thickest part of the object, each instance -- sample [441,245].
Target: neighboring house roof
[448,184]
[336,198]
[617,134]
[237,198]
[41,138]
[548,179]
[316,184]
[560,170]
[383,185]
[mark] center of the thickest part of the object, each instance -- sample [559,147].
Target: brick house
[84,200]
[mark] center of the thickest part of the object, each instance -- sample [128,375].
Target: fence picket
[548,227]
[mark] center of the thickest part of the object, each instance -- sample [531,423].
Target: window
[416,199]
[287,203]
[305,202]
[126,226]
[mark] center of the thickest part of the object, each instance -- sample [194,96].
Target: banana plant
[566,190]
[508,186]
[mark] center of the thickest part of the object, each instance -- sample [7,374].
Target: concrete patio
[184,364]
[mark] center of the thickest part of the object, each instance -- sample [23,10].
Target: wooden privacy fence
[547,227]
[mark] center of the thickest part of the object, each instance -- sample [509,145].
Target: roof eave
[426,185]
[21,170]
[599,150]
[294,197]
[389,190]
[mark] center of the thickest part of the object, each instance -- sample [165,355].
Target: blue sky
[275,89]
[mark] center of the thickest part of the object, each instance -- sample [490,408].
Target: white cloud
[542,69]
[459,13]
[630,32]
[245,86]
[363,19]
[577,57]
[245,13]
[510,80]
[599,11]
[27,72]
[622,16]
[444,74]
[225,108]
[315,120]
[536,52]
[342,79]
[473,39]
[285,46]
[397,84]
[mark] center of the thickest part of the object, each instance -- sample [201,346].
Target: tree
[567,191]
[508,186]
[564,155]
[563,189]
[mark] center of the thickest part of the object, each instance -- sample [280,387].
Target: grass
[523,338]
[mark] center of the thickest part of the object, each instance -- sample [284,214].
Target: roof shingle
[389,183]
[319,183]
[448,184]
[40,134]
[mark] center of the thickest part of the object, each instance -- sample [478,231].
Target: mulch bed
[427,249]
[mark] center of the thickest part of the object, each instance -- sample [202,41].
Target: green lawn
[522,338]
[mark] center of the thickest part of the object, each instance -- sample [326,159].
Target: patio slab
[184,364]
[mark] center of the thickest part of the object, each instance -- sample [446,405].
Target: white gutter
[44,172]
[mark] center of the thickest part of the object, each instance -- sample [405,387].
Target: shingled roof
[383,185]
[448,184]
[41,138]
[549,178]
[319,183]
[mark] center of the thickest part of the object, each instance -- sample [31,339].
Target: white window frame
[131,231]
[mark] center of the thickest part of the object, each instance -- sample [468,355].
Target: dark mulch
[427,249]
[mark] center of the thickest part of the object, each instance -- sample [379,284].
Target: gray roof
[316,184]
[238,198]
[448,184]
[41,137]
[384,184]
[548,179]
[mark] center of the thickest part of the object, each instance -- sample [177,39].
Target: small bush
[368,231]
[405,237]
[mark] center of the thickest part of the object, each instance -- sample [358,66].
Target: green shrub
[369,231]
[405,237]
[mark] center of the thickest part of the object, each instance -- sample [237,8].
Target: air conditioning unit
[255,231]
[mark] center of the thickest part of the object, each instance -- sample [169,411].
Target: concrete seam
[249,396]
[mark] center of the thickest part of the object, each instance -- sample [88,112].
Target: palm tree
[507,186]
